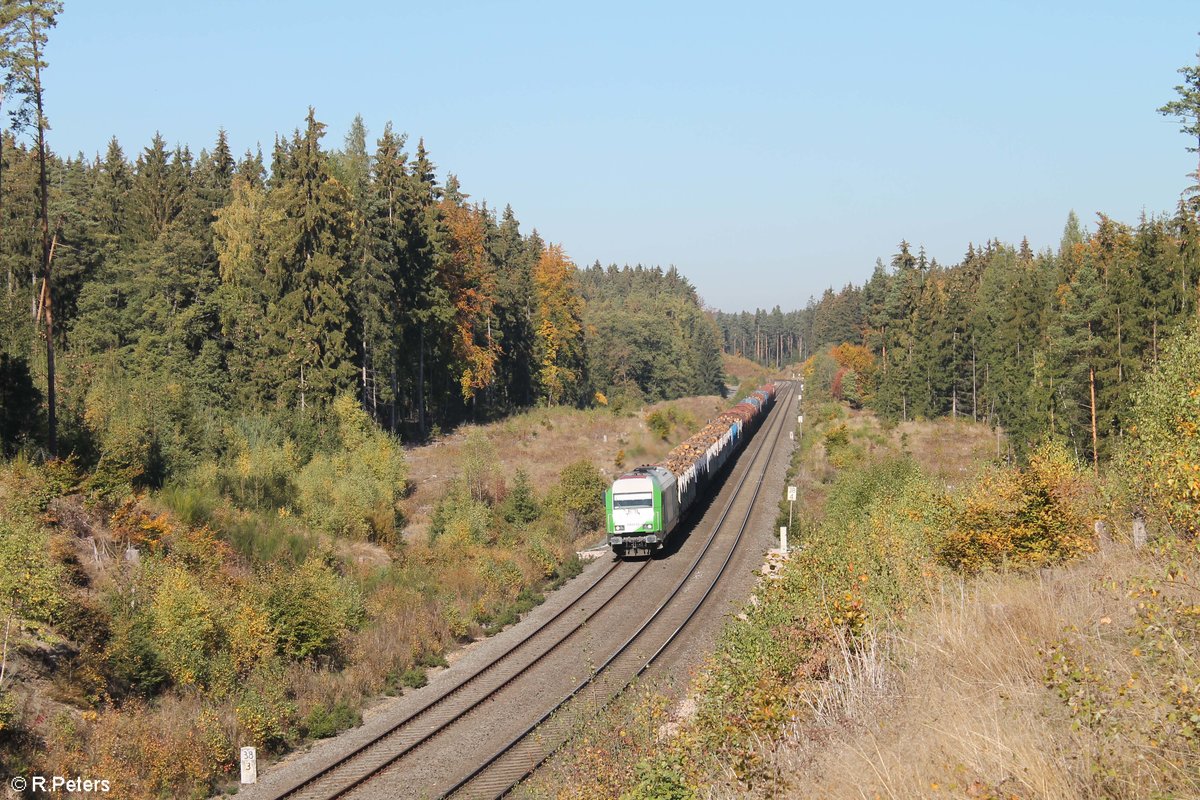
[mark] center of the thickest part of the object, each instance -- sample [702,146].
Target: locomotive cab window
[633,502]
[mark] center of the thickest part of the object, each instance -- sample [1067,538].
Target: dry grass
[950,450]
[543,440]
[957,704]
[740,368]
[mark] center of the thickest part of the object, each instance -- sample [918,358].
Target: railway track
[419,726]
[366,770]
[514,762]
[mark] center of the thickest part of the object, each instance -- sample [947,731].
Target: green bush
[1160,456]
[413,678]
[186,623]
[579,496]
[311,609]
[132,654]
[323,722]
[146,428]
[659,424]
[520,506]
[257,469]
[355,490]
[460,519]
[660,777]
[264,713]
[31,582]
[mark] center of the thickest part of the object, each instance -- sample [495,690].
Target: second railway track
[547,669]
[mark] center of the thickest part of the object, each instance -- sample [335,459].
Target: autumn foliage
[1019,515]
[469,277]
[559,325]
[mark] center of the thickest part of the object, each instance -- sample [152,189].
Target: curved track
[355,773]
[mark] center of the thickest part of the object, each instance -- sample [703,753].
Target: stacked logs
[681,459]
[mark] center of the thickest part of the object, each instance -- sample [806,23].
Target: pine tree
[24,27]
[307,254]
[1186,109]
[514,309]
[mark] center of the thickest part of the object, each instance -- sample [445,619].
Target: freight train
[644,506]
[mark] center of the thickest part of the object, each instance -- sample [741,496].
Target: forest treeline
[1041,344]
[185,287]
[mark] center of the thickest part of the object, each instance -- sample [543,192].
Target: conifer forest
[231,384]
[1041,344]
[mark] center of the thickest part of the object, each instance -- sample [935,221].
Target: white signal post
[783,540]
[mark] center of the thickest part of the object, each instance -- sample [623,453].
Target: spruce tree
[307,253]
[24,27]
[1186,110]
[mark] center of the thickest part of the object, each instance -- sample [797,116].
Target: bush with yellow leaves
[1019,516]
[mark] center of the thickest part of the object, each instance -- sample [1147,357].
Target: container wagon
[645,505]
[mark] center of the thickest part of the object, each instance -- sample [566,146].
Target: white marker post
[791,504]
[249,765]
[783,540]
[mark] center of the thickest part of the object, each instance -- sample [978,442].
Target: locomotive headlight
[618,527]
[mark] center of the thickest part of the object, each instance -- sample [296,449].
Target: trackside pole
[791,504]
[783,540]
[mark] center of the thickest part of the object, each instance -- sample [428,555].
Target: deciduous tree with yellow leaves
[558,328]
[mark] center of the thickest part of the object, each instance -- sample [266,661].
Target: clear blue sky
[766,149]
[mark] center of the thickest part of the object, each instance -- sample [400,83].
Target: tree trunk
[395,392]
[47,253]
[1095,451]
[974,389]
[421,383]
[1120,369]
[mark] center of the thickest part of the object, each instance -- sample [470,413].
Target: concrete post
[249,765]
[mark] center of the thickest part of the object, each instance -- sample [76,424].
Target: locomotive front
[638,510]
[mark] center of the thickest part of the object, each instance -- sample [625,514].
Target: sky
[768,150]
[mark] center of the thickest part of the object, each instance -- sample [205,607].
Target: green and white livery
[642,509]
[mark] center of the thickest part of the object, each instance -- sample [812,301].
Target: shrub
[310,609]
[1023,516]
[186,626]
[660,778]
[323,722]
[132,654]
[1160,459]
[31,583]
[147,430]
[354,491]
[520,506]
[258,467]
[579,496]
[264,712]
[459,519]
[659,424]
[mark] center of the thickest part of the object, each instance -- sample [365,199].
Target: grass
[973,697]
